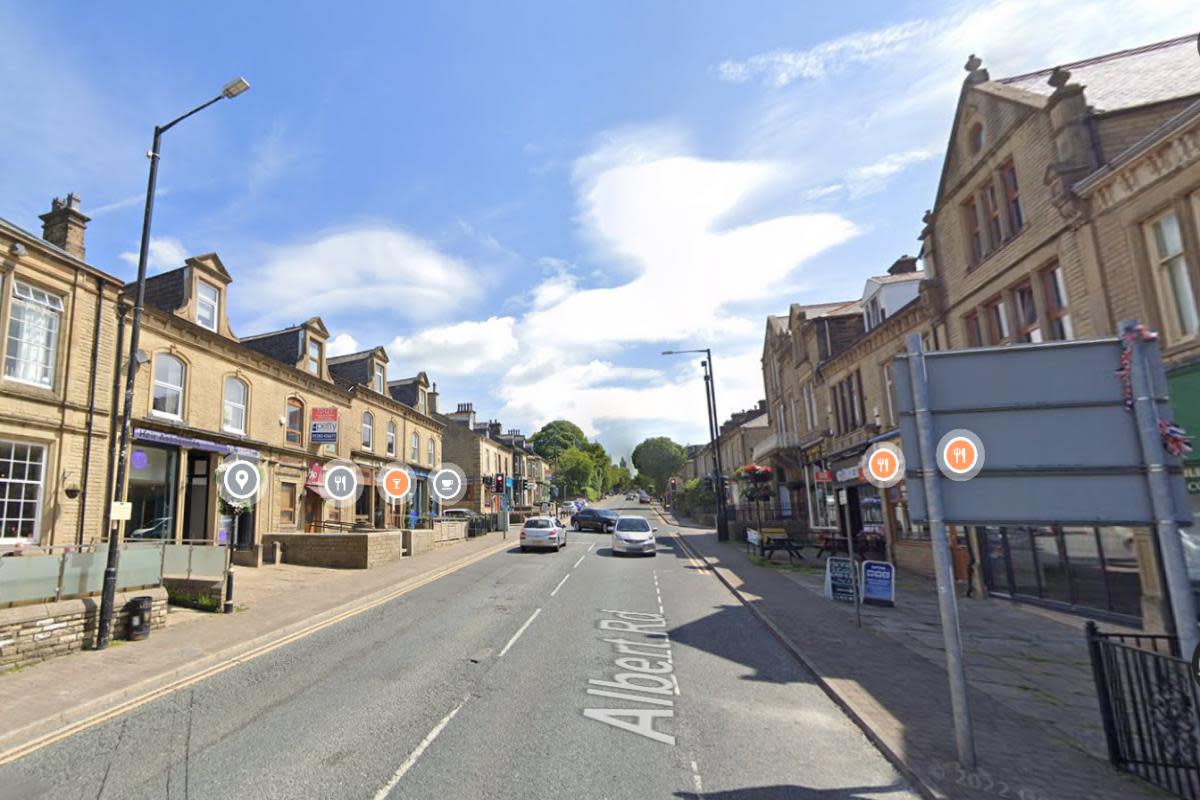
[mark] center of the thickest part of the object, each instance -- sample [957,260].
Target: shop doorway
[195,499]
[312,511]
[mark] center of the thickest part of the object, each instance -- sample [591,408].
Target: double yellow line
[124,707]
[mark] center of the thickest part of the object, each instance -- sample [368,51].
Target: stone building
[59,318]
[482,458]
[204,394]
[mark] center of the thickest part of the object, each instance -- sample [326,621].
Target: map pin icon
[240,477]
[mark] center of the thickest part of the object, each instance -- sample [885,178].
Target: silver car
[634,535]
[543,532]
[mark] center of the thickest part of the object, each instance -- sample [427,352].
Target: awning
[192,443]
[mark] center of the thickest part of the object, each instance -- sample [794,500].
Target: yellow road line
[32,746]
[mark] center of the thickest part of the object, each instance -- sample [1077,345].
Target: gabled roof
[407,390]
[901,278]
[1139,76]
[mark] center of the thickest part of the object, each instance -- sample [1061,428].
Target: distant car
[634,535]
[594,519]
[631,496]
[644,499]
[542,532]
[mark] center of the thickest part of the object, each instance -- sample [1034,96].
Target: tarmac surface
[500,680]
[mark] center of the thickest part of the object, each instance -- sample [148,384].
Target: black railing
[1150,708]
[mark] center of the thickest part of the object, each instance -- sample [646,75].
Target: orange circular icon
[396,483]
[883,465]
[960,454]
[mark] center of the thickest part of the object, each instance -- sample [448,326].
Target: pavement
[1037,727]
[519,675]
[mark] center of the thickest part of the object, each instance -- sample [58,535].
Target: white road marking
[517,635]
[675,681]
[415,754]
[560,583]
[590,546]
[696,778]
[581,558]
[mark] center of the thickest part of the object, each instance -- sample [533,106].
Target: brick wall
[29,634]
[338,550]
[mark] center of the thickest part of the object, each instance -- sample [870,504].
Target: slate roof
[353,367]
[1152,73]
[283,345]
[167,290]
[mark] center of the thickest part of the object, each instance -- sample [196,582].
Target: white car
[543,532]
[634,535]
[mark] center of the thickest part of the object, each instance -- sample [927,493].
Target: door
[312,511]
[196,525]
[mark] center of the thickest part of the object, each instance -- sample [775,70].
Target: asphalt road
[499,681]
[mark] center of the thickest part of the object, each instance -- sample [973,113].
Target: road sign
[1060,446]
[324,429]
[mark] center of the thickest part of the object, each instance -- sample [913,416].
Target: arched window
[416,448]
[975,138]
[169,374]
[391,439]
[295,421]
[431,450]
[368,429]
[237,399]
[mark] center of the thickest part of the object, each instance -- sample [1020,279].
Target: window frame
[1168,300]
[431,452]
[155,383]
[310,342]
[415,447]
[996,310]
[991,210]
[380,379]
[45,304]
[284,508]
[39,499]
[201,285]
[1026,331]
[973,329]
[390,442]
[368,431]
[1012,198]
[975,248]
[245,405]
[1056,302]
[289,404]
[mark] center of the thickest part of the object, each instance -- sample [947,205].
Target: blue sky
[528,201]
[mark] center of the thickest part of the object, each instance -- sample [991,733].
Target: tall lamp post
[710,396]
[120,492]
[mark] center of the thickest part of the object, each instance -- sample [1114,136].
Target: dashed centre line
[421,748]
[560,584]
[580,561]
[517,635]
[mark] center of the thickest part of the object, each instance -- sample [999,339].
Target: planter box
[338,550]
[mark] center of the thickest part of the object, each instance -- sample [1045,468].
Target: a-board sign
[878,583]
[753,536]
[839,579]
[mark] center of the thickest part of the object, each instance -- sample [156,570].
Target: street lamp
[710,396]
[229,90]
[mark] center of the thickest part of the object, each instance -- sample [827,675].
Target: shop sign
[839,579]
[823,476]
[849,474]
[315,470]
[878,583]
[324,429]
[192,443]
[1191,474]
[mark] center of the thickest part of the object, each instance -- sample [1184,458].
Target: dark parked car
[594,519]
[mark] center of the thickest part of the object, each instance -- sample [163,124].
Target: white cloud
[460,349]
[165,253]
[342,344]
[871,178]
[355,273]
[782,67]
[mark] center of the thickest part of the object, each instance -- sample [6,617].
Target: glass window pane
[1055,585]
[1020,551]
[1121,568]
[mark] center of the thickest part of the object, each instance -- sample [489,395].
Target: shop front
[1184,386]
[860,509]
[174,495]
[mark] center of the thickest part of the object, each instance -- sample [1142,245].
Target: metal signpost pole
[943,566]
[722,520]
[1170,546]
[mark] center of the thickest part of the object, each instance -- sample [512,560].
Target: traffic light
[500,482]
[672,484]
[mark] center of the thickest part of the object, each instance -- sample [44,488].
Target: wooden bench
[772,539]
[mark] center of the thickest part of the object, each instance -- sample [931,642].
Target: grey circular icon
[449,483]
[340,482]
[241,480]
[960,455]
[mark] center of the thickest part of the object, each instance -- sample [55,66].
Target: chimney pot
[64,225]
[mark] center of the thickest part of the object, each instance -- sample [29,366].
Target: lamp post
[710,396]
[120,492]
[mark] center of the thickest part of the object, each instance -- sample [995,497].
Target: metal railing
[1150,707]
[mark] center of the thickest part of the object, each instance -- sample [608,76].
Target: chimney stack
[64,225]
[904,264]
[431,400]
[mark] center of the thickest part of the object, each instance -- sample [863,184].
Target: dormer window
[312,358]
[208,299]
[421,400]
[380,379]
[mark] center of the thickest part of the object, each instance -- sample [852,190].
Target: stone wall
[337,550]
[29,634]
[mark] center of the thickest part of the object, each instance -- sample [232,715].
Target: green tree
[575,470]
[658,458]
[555,437]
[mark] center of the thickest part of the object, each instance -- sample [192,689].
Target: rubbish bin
[138,612]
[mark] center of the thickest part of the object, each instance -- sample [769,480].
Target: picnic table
[769,540]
